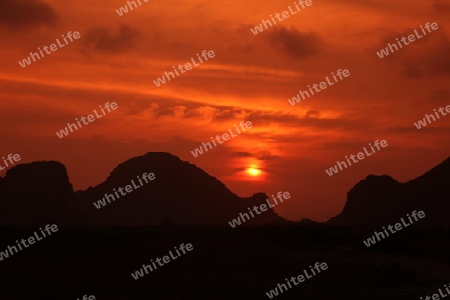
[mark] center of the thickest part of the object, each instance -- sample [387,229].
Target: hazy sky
[250,78]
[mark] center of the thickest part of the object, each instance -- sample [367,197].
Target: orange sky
[250,78]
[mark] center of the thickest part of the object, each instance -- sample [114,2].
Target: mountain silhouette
[181,193]
[381,200]
[34,191]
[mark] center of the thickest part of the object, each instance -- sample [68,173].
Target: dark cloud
[222,113]
[261,155]
[193,114]
[25,14]
[243,154]
[311,119]
[102,40]
[296,44]
[412,70]
[430,128]
[134,112]
[237,170]
[441,5]
[441,97]
[403,129]
[392,36]
[438,59]
[229,114]
[348,144]
[266,155]
[435,62]
[165,112]
[286,119]
[425,57]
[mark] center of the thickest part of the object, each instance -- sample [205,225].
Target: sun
[253,171]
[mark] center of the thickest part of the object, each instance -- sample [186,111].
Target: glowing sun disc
[253,172]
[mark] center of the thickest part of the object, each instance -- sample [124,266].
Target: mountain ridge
[381,200]
[181,193]
[184,194]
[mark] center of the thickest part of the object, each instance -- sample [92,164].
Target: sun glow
[253,171]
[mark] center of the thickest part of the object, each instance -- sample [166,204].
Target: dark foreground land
[224,264]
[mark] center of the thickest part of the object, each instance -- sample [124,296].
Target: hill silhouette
[181,193]
[35,191]
[381,200]
[226,263]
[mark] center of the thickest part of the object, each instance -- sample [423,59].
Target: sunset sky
[250,78]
